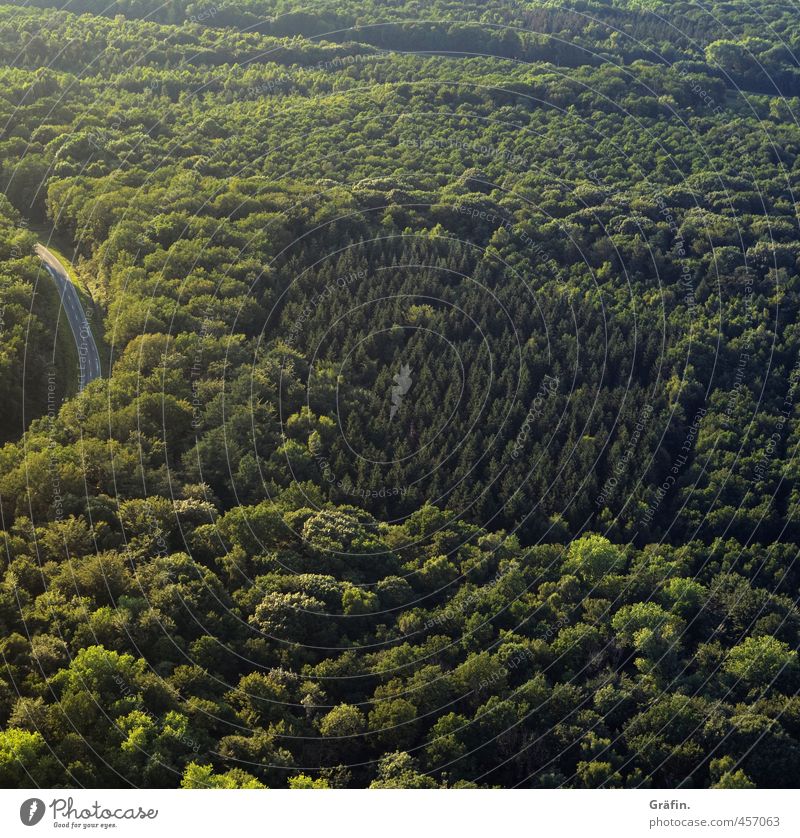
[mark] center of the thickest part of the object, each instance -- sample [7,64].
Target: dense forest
[448,428]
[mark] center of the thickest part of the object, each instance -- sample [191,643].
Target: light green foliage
[23,759]
[343,722]
[303,781]
[759,661]
[398,771]
[593,557]
[203,777]
[568,561]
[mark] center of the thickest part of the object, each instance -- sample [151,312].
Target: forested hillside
[449,435]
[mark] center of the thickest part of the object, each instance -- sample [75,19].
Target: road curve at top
[88,356]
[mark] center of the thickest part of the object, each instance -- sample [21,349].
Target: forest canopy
[447,431]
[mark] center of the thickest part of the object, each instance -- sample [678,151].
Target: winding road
[88,356]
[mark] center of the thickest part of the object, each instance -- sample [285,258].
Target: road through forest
[88,356]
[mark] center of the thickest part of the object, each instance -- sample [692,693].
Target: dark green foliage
[449,436]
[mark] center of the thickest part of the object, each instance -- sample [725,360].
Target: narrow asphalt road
[88,356]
